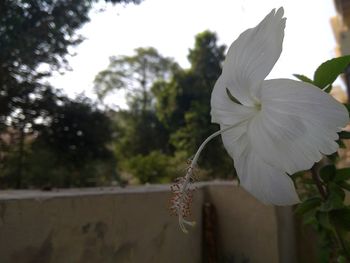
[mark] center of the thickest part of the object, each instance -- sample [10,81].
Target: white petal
[252,56]
[235,140]
[267,183]
[296,124]
[224,110]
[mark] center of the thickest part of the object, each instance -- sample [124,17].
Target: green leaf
[324,220]
[336,191]
[327,172]
[342,175]
[341,144]
[302,78]
[308,205]
[341,218]
[344,185]
[309,218]
[232,97]
[333,157]
[344,135]
[341,259]
[327,72]
[324,246]
[324,254]
[335,199]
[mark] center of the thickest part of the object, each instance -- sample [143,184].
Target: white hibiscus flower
[281,126]
[270,128]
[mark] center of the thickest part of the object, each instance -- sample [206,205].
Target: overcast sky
[170,27]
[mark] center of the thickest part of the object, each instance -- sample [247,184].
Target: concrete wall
[134,225]
[249,230]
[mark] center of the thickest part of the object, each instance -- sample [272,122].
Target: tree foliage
[184,104]
[35,39]
[168,113]
[169,110]
[32,34]
[136,74]
[139,131]
[66,149]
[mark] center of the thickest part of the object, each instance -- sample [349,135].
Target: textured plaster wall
[133,225]
[245,225]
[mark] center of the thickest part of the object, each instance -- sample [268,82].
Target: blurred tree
[78,135]
[173,105]
[23,122]
[67,148]
[39,31]
[139,131]
[35,37]
[183,104]
[139,135]
[78,132]
[155,167]
[136,74]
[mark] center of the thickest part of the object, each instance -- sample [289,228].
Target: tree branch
[316,178]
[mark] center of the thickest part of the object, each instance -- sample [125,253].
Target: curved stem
[201,147]
[196,156]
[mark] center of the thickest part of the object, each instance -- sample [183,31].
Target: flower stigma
[182,188]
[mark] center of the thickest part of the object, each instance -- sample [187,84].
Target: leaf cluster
[324,206]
